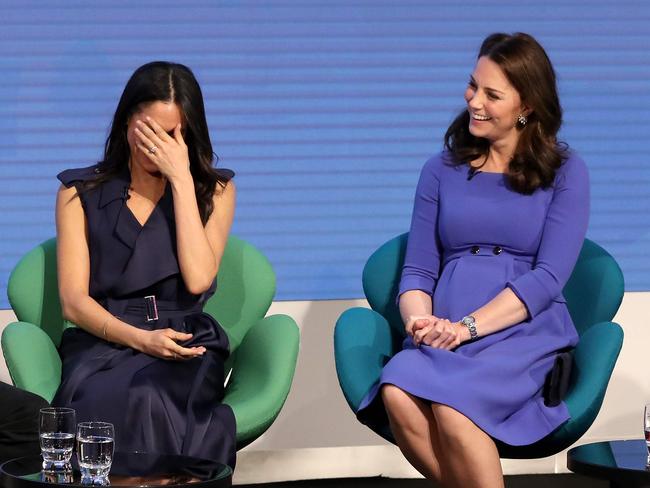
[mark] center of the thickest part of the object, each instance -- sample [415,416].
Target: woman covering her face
[498,222]
[140,236]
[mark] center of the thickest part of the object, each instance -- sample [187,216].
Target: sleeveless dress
[170,407]
[472,236]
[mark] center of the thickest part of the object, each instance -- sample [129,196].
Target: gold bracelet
[104,328]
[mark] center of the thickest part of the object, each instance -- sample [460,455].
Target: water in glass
[646,429]
[57,446]
[95,446]
[56,433]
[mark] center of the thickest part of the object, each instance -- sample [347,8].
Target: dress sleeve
[422,260]
[76,177]
[70,177]
[225,173]
[562,238]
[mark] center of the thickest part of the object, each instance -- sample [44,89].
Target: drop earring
[521,119]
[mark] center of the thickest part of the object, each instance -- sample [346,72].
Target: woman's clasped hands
[433,331]
[164,343]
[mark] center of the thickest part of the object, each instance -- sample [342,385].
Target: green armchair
[264,350]
[364,339]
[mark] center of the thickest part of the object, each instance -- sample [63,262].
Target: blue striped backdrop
[326,111]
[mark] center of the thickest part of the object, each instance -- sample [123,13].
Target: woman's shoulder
[440,163]
[573,169]
[225,174]
[71,176]
[225,185]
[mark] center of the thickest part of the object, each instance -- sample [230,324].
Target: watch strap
[470,322]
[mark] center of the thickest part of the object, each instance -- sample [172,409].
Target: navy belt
[148,307]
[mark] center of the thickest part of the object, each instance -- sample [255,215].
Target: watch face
[467,321]
[470,323]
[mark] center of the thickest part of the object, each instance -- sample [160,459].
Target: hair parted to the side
[161,81]
[538,154]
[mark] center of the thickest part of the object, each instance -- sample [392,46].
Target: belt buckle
[152,308]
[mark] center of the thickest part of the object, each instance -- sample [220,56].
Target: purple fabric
[170,407]
[529,243]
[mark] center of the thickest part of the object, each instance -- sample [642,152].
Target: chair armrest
[363,344]
[593,362]
[33,361]
[262,373]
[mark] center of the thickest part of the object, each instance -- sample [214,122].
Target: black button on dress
[171,407]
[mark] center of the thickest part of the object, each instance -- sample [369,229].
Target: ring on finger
[152,150]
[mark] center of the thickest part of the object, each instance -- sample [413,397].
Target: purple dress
[170,407]
[470,238]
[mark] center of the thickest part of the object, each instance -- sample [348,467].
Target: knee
[393,397]
[34,402]
[399,406]
[24,406]
[452,425]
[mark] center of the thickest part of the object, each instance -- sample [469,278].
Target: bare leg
[414,428]
[471,457]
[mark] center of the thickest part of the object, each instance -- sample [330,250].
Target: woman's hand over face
[163,343]
[169,154]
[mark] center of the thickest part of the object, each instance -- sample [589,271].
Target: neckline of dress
[155,208]
[477,169]
[127,175]
[490,173]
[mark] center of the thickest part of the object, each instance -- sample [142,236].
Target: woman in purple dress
[140,236]
[498,222]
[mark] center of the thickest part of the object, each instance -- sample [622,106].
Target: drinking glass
[95,445]
[56,427]
[58,476]
[646,429]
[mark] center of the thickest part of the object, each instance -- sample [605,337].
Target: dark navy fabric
[471,238]
[18,422]
[170,407]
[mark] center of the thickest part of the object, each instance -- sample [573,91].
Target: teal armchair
[365,339]
[264,350]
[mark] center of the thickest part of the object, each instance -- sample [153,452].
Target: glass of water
[56,427]
[95,445]
[646,428]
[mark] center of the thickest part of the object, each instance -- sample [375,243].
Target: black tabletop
[128,470]
[621,462]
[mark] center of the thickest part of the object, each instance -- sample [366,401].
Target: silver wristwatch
[469,322]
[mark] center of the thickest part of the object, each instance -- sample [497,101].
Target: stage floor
[515,481]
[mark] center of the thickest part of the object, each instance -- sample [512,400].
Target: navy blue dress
[171,407]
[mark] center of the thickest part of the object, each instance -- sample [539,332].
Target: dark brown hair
[538,154]
[164,82]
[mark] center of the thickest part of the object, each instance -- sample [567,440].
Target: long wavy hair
[538,154]
[172,83]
